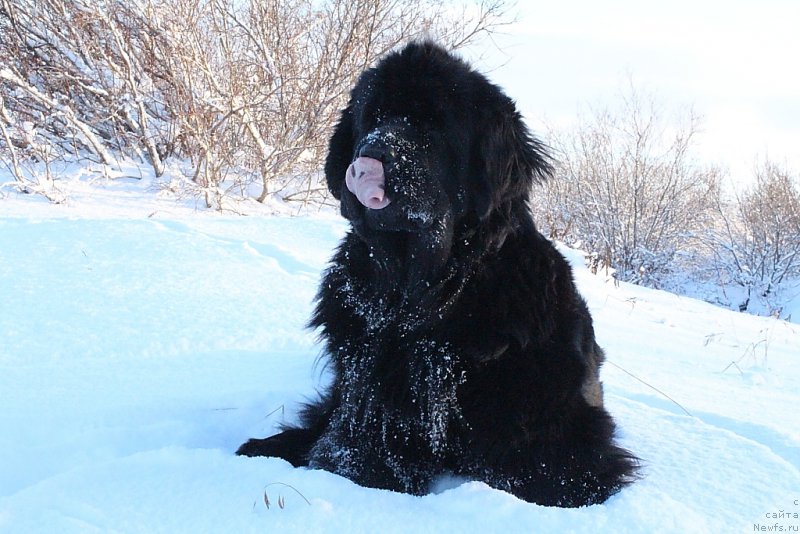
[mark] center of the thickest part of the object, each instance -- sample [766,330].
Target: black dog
[456,338]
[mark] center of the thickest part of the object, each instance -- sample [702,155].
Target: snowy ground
[141,341]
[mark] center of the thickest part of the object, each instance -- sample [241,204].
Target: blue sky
[735,63]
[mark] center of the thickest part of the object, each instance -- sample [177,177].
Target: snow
[143,339]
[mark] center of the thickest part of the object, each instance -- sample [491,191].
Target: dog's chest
[394,373]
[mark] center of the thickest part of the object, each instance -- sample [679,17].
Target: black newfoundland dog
[456,338]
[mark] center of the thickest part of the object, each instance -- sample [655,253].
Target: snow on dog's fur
[456,338]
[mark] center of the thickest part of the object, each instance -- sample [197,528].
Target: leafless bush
[70,68]
[626,188]
[246,90]
[755,243]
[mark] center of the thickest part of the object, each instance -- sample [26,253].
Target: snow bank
[137,353]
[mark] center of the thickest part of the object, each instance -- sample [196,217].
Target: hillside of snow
[142,341]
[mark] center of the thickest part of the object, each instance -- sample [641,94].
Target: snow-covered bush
[755,243]
[246,91]
[626,188]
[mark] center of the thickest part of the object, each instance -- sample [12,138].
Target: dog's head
[429,146]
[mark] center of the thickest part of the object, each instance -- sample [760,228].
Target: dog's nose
[374,152]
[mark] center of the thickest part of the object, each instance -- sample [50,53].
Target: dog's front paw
[256,447]
[292,445]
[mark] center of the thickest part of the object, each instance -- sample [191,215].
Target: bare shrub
[246,91]
[71,69]
[755,243]
[626,188]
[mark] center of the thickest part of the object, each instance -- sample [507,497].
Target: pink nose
[365,180]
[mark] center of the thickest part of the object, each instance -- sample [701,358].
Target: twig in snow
[652,387]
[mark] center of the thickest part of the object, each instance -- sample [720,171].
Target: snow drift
[136,353]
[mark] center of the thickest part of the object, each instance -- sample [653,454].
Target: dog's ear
[511,160]
[340,152]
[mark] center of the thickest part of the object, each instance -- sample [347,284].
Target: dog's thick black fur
[456,338]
